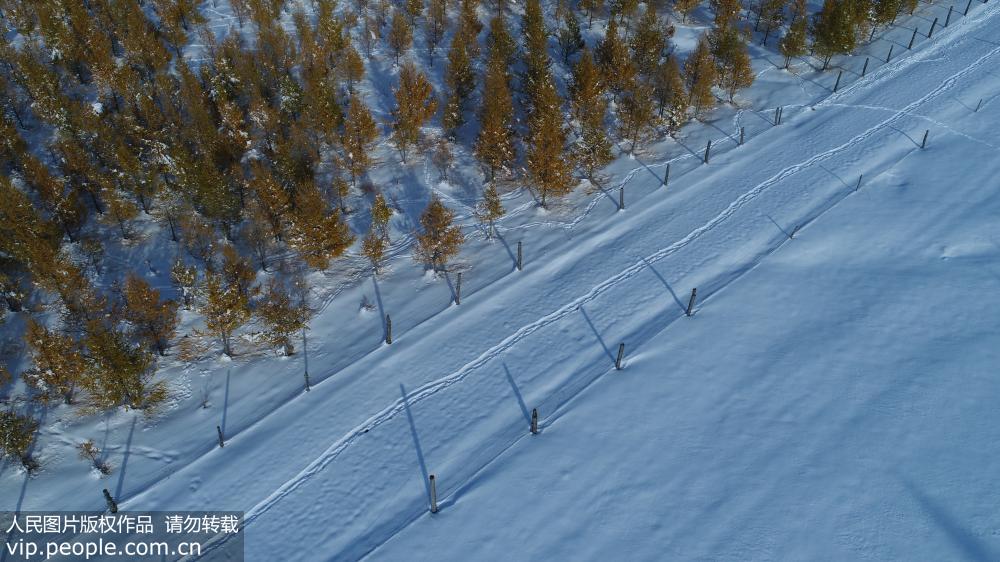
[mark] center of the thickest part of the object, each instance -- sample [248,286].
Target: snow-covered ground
[830,399]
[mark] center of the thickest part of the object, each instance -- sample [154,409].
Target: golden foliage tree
[360,132]
[699,77]
[400,34]
[377,239]
[495,143]
[226,309]
[671,98]
[317,234]
[490,209]
[16,434]
[548,165]
[284,312]
[440,240]
[732,61]
[415,105]
[153,319]
[59,364]
[121,373]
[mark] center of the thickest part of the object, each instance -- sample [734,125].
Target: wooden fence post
[307,381]
[112,505]
[666,176]
[979,105]
[708,150]
[912,39]
[967,6]
[534,421]
[742,134]
[519,255]
[931,32]
[621,198]
[222,440]
[694,296]
[621,354]
[948,19]
[434,494]
[388,330]
[923,143]
[859,182]
[864,70]
[837,85]
[458,289]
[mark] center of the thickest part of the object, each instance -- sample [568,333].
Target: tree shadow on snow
[517,393]
[416,442]
[597,334]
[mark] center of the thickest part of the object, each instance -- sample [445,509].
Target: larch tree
[226,309]
[670,96]
[122,374]
[373,247]
[793,44]
[648,42]
[685,7]
[376,241]
[59,364]
[772,15]
[153,320]
[360,132]
[317,234]
[614,60]
[443,158]
[699,77]
[185,280]
[732,61]
[833,30]
[587,87]
[284,311]
[272,199]
[461,81]
[237,271]
[495,144]
[884,12]
[441,239]
[17,432]
[437,22]
[570,38]
[500,42]
[490,209]
[415,105]
[727,12]
[400,34]
[414,8]
[593,148]
[536,58]
[591,7]
[548,166]
[352,68]
[636,112]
